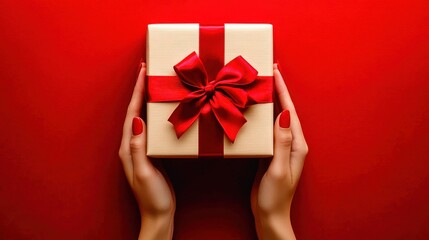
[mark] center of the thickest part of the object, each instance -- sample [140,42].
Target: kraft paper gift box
[170,44]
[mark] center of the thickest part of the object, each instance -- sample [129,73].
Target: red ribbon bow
[225,96]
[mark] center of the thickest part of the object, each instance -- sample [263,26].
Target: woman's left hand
[275,185]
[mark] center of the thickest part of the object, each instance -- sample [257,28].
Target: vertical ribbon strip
[211,52]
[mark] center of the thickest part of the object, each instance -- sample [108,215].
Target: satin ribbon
[225,95]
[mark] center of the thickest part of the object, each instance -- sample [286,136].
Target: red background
[357,71]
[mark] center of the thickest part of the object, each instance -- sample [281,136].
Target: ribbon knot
[209,89]
[225,95]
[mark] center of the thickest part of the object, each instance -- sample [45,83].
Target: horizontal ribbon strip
[171,89]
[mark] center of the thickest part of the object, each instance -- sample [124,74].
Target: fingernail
[137,126]
[284,121]
[141,65]
[139,69]
[278,66]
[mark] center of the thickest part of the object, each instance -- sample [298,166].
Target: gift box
[209,90]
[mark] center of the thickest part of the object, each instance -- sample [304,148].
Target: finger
[142,165]
[157,163]
[138,92]
[263,165]
[286,103]
[299,144]
[133,110]
[280,165]
[136,102]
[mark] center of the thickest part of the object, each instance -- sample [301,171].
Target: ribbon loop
[225,95]
[191,71]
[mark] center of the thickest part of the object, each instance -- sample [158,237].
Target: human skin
[276,180]
[272,192]
[151,187]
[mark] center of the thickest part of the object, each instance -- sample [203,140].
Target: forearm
[160,228]
[276,228]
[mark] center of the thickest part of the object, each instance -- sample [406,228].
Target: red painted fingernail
[284,121]
[137,126]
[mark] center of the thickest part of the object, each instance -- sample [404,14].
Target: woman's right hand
[152,189]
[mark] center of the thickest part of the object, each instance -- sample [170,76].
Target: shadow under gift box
[167,45]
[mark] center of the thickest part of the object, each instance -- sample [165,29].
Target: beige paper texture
[168,44]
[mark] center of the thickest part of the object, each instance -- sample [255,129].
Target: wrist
[156,227]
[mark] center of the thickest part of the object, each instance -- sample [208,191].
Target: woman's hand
[153,191]
[275,183]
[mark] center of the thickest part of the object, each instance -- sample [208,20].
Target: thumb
[141,162]
[280,165]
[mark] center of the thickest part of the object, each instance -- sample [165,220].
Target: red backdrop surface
[358,72]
